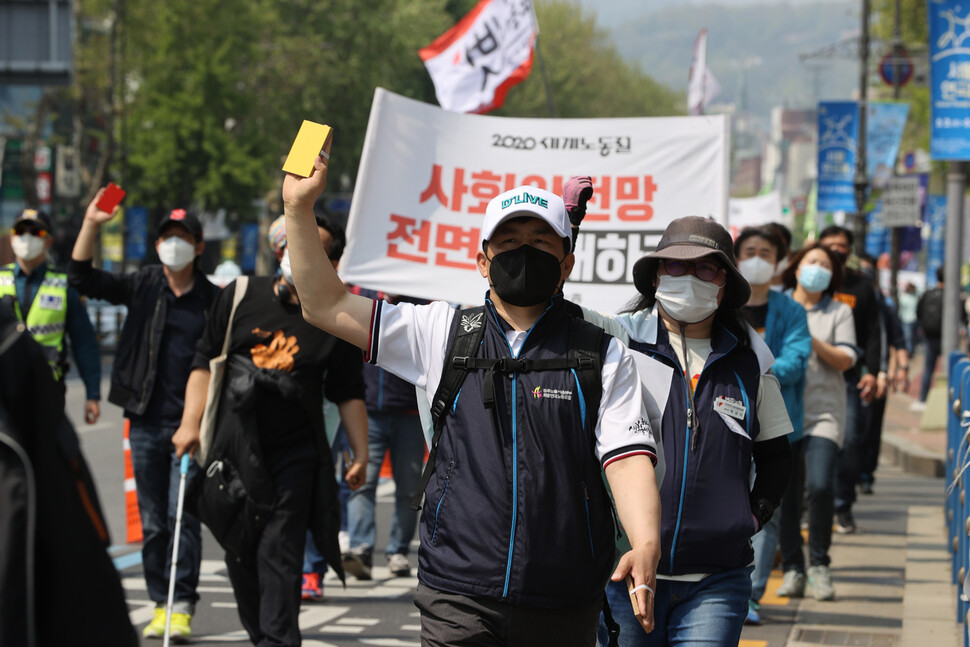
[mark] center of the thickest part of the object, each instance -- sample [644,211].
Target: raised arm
[325,301]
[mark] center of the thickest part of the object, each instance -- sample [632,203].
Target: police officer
[40,298]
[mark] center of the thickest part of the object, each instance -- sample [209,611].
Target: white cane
[183,471]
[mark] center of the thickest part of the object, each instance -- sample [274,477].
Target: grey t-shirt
[830,321]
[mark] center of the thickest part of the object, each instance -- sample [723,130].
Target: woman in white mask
[813,276]
[783,325]
[723,410]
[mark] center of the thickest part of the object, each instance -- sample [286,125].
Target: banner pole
[956,184]
[545,80]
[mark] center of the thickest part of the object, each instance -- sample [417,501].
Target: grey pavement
[891,578]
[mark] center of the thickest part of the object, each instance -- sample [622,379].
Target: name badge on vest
[729,407]
[51,302]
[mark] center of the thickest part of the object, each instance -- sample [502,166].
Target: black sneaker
[844,523]
[357,562]
[865,487]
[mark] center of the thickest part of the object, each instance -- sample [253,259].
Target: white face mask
[756,270]
[285,267]
[686,298]
[27,247]
[176,253]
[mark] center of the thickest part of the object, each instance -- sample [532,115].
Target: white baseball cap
[527,201]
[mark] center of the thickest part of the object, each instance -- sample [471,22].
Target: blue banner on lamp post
[949,79]
[838,127]
[249,247]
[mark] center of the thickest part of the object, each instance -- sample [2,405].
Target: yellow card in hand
[307,145]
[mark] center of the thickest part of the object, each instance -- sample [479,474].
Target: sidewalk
[891,578]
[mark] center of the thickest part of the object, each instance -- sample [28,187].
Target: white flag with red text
[474,63]
[702,87]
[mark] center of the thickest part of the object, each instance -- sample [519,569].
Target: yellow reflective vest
[47,318]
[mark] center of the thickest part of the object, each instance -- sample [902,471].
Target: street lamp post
[861,183]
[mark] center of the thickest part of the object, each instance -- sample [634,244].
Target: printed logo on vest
[51,302]
[551,394]
[474,322]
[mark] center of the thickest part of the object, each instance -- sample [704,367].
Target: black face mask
[525,276]
[842,256]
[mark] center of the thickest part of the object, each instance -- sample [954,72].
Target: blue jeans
[710,612]
[401,433]
[157,481]
[764,542]
[909,334]
[821,457]
[847,474]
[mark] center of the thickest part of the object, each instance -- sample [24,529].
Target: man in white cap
[516,531]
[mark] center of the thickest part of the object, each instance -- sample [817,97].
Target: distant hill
[764,38]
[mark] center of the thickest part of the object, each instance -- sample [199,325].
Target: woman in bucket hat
[723,413]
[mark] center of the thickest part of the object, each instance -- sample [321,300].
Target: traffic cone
[132,516]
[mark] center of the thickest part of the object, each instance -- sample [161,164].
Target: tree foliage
[208,95]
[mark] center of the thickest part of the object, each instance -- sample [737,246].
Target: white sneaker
[917,406]
[398,565]
[792,586]
[343,537]
[820,580]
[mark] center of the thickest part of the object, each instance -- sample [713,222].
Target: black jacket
[38,446]
[136,360]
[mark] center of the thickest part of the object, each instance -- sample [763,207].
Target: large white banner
[427,174]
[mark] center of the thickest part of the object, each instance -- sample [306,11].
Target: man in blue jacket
[167,310]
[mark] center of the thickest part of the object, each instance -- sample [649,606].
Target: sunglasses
[704,270]
[33,231]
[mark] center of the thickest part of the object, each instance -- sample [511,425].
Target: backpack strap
[467,336]
[585,350]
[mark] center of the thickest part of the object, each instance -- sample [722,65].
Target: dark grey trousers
[450,620]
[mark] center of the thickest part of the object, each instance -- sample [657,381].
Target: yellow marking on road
[753,643]
[770,598]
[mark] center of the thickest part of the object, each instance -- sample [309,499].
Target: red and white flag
[702,87]
[474,63]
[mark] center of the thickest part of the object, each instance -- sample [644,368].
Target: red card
[111,198]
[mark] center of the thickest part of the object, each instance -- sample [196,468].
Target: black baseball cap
[185,220]
[691,238]
[36,217]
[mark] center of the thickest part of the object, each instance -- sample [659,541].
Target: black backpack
[585,342]
[930,313]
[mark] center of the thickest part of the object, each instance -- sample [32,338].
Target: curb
[911,457]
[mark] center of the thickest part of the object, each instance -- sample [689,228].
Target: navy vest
[516,509]
[706,522]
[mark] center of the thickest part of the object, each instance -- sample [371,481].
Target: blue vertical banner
[949,79]
[248,247]
[838,129]
[885,123]
[936,219]
[136,233]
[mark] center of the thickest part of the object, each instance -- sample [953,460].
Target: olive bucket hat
[688,239]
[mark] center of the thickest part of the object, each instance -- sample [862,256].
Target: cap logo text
[525,198]
[703,240]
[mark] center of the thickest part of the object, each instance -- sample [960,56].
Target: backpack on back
[930,315]
[585,357]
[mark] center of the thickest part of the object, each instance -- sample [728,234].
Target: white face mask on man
[175,253]
[687,298]
[285,268]
[27,247]
[756,270]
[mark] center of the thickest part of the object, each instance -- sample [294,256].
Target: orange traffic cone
[132,516]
